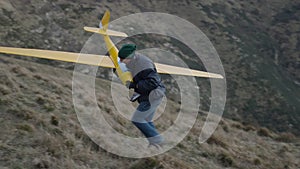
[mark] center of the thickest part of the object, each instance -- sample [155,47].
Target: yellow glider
[102,60]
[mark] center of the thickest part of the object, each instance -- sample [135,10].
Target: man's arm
[148,81]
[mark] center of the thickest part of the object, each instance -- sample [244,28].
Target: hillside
[40,129]
[258,44]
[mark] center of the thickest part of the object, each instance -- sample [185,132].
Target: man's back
[145,76]
[139,63]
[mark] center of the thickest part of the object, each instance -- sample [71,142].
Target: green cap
[127,51]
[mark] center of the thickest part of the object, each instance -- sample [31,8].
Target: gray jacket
[145,77]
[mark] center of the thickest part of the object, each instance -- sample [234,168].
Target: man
[147,83]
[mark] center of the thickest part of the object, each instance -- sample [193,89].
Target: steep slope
[40,129]
[258,43]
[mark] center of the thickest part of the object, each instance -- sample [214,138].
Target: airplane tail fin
[103,27]
[105,20]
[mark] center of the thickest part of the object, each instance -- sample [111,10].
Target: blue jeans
[142,119]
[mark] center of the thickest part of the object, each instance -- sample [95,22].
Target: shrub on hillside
[286,137]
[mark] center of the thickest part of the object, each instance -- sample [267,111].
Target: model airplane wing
[89,59]
[168,69]
[99,60]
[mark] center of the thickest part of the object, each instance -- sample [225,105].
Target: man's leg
[143,111]
[154,106]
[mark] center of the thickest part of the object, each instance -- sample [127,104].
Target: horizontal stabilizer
[89,59]
[103,32]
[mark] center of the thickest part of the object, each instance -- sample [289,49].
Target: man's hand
[129,85]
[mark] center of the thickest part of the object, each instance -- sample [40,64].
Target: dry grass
[217,140]
[147,163]
[40,130]
[286,137]
[264,132]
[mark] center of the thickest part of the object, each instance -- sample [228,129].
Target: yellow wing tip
[218,76]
